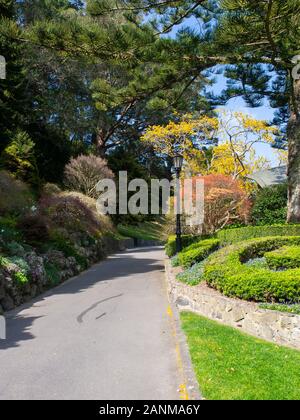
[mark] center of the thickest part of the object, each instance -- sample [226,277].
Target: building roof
[272,176]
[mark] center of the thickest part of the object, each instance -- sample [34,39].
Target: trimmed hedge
[231,236]
[186,241]
[225,271]
[197,252]
[286,257]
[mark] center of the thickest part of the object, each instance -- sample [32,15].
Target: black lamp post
[178,162]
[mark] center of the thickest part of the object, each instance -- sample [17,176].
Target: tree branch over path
[150,6]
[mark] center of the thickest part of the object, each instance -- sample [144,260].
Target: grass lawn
[153,231]
[230,365]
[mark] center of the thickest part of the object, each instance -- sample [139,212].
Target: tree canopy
[91,77]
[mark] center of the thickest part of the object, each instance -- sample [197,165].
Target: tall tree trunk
[294,158]
[99,141]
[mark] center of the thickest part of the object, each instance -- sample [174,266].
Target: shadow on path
[17,330]
[126,264]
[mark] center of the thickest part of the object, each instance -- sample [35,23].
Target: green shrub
[14,248]
[8,222]
[231,236]
[70,212]
[3,262]
[285,257]
[60,243]
[20,263]
[197,252]
[15,195]
[19,157]
[34,228]
[8,231]
[102,223]
[20,278]
[186,241]
[175,261]
[270,205]
[52,273]
[50,189]
[226,271]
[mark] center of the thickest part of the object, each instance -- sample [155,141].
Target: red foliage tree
[225,202]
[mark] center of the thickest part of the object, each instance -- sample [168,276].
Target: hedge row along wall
[231,236]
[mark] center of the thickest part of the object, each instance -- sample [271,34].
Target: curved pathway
[105,334]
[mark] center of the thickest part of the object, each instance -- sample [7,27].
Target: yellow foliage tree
[282,156]
[236,155]
[225,162]
[185,136]
[233,137]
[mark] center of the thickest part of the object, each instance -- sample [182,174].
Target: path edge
[191,383]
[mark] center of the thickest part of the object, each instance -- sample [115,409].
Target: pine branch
[155,5]
[190,82]
[269,32]
[181,17]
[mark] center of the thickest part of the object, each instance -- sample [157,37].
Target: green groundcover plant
[226,270]
[193,275]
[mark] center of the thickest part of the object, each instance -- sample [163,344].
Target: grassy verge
[149,231]
[230,365]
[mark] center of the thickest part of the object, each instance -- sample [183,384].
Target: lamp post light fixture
[178,162]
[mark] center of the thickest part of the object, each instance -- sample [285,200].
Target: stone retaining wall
[277,327]
[13,294]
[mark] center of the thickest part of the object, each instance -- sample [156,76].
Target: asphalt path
[104,335]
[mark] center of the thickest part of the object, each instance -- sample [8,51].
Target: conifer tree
[12,101]
[131,75]
[264,37]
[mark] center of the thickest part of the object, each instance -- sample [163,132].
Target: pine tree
[264,37]
[130,77]
[12,100]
